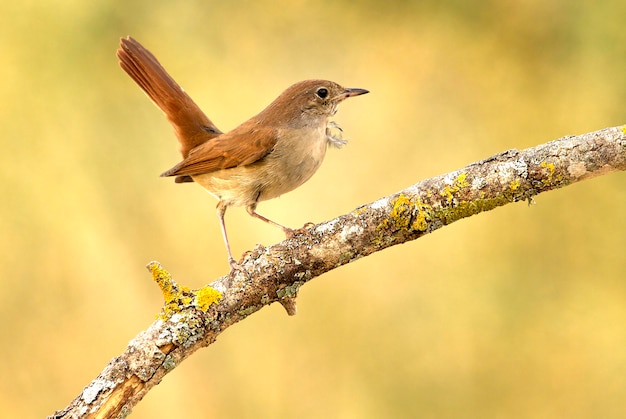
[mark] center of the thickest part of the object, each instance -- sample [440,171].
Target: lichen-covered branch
[191,319]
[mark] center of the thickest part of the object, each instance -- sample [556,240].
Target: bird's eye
[322,93]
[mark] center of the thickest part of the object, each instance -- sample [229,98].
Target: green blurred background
[517,313]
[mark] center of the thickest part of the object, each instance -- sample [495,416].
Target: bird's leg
[252,211]
[221,210]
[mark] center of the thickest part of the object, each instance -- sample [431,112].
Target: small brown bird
[270,154]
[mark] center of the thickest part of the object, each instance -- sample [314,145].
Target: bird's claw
[291,233]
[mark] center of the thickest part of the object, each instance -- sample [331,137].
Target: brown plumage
[191,125]
[272,153]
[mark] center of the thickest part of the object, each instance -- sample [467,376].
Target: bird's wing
[240,147]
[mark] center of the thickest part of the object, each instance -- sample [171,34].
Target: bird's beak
[349,92]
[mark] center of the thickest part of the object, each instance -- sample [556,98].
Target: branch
[191,319]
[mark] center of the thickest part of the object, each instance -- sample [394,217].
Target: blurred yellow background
[516,313]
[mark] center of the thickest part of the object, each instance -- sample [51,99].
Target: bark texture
[191,319]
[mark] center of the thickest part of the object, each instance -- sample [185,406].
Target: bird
[268,155]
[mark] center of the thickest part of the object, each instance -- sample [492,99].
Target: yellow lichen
[401,211]
[449,190]
[176,297]
[399,218]
[461,180]
[447,193]
[164,280]
[361,210]
[464,209]
[551,179]
[550,167]
[423,216]
[407,213]
[206,296]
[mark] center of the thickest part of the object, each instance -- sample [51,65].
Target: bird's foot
[235,268]
[291,233]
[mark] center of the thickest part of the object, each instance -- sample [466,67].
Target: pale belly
[288,166]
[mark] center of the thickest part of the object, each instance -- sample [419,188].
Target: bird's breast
[296,156]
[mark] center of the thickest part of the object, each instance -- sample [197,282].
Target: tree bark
[191,319]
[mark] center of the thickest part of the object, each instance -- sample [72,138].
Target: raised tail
[191,125]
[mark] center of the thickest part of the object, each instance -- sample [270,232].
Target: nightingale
[270,154]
